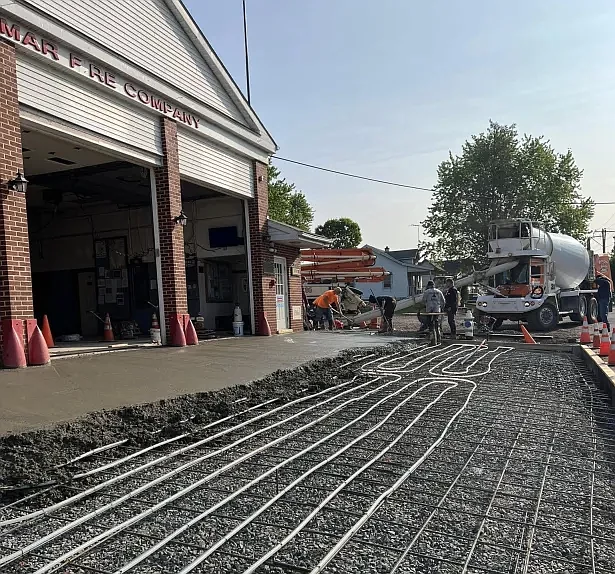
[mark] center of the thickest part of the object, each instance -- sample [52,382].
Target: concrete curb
[603,373]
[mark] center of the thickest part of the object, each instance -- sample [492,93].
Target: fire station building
[146,175]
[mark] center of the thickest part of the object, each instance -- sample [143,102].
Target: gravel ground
[568,332]
[513,458]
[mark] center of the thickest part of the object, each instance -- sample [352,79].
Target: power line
[353,175]
[393,183]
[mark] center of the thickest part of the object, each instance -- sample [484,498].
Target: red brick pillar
[262,258]
[295,297]
[171,235]
[15,275]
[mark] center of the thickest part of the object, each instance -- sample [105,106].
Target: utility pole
[245,43]
[604,240]
[418,233]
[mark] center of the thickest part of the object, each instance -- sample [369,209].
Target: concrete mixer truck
[553,277]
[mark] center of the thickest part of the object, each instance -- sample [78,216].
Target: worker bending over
[434,302]
[451,299]
[324,305]
[387,306]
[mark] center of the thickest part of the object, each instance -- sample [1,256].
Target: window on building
[388,281]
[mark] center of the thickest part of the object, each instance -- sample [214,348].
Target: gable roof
[207,51]
[388,255]
[402,254]
[158,44]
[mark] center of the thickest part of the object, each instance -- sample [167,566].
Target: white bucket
[238,328]
[155,335]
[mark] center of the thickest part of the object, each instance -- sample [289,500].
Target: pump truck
[533,276]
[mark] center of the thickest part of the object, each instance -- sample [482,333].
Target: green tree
[344,232]
[286,203]
[500,175]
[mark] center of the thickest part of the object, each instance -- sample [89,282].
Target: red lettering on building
[143,96]
[130,90]
[168,108]
[50,49]
[96,72]
[177,114]
[110,80]
[30,40]
[74,61]
[157,104]
[12,32]
[196,122]
[187,119]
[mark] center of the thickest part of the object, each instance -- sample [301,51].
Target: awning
[294,237]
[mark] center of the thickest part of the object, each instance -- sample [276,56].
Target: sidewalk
[69,388]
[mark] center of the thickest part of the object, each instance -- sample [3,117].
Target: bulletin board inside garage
[219,282]
[112,284]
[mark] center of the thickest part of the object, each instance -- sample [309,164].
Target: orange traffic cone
[585,337]
[108,330]
[155,324]
[527,338]
[596,340]
[612,350]
[46,331]
[605,342]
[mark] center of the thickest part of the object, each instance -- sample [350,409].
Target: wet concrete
[37,397]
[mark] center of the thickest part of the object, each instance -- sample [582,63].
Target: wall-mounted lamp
[180,219]
[19,184]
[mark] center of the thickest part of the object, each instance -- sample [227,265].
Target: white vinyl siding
[146,33]
[203,162]
[43,88]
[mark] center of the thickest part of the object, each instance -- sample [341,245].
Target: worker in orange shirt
[323,305]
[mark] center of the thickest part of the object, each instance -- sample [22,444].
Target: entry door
[281,293]
[87,303]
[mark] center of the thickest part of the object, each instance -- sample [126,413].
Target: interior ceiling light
[61,160]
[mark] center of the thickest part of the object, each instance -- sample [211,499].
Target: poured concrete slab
[39,396]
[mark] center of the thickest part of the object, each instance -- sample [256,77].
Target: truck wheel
[592,311]
[497,324]
[582,312]
[544,319]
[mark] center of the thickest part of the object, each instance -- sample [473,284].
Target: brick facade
[262,258]
[169,200]
[291,254]
[15,275]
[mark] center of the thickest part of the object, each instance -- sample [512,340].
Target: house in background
[406,274]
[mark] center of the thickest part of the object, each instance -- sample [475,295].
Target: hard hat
[337,290]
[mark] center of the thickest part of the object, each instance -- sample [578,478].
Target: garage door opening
[216,259]
[91,240]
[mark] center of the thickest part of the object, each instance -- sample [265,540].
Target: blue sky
[385,89]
